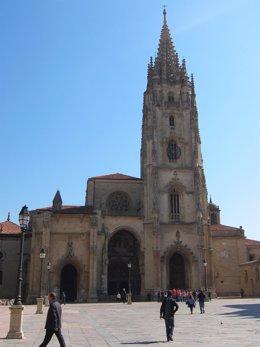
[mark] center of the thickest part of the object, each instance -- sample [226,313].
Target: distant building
[161,223]
[10,236]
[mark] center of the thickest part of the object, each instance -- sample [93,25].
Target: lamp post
[16,311]
[205,274]
[49,269]
[129,295]
[40,298]
[46,298]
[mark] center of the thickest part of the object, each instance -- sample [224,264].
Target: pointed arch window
[257,275]
[171,121]
[175,205]
[173,151]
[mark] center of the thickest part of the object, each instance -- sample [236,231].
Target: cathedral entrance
[123,249]
[68,283]
[177,272]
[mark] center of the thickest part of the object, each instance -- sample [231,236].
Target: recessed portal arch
[69,279]
[123,247]
[177,271]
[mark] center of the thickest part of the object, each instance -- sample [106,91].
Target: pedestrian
[242,293]
[201,297]
[53,322]
[118,297]
[191,303]
[167,311]
[123,296]
[63,298]
[209,295]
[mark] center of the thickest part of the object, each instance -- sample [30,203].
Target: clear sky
[72,77]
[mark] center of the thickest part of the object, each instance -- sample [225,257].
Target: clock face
[173,151]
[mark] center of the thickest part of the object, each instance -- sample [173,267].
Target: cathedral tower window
[171,98]
[171,121]
[173,151]
[175,205]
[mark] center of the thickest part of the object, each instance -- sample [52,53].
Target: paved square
[227,322]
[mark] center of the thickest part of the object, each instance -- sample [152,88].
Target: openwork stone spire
[166,65]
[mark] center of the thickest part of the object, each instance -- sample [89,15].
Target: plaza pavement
[226,323]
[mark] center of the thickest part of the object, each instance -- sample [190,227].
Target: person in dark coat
[53,322]
[123,296]
[167,311]
[201,297]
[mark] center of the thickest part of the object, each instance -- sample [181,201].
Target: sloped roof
[8,227]
[221,227]
[225,230]
[252,242]
[68,209]
[115,176]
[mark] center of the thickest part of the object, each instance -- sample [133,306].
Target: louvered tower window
[175,205]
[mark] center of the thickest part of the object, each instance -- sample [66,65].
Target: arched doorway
[123,248]
[68,284]
[177,271]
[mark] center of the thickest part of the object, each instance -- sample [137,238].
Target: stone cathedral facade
[161,223]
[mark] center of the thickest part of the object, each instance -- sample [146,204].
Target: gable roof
[8,227]
[115,176]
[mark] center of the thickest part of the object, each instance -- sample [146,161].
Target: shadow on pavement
[142,342]
[244,310]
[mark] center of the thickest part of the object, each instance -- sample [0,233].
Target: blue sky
[72,77]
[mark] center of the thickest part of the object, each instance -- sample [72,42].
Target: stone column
[92,291]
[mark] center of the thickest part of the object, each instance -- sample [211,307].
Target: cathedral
[147,233]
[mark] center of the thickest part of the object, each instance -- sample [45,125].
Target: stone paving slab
[226,323]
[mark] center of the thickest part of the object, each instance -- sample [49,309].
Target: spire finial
[164,13]
[8,217]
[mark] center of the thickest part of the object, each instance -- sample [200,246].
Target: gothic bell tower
[176,227]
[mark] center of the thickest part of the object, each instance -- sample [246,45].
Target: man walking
[53,322]
[167,311]
[201,297]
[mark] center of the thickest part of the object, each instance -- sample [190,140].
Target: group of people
[121,297]
[169,307]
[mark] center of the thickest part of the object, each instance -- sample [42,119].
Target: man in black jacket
[167,311]
[53,322]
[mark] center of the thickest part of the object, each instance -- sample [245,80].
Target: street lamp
[205,274]
[129,295]
[16,311]
[42,257]
[40,298]
[46,298]
[49,269]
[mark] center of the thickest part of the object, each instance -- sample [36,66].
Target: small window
[171,98]
[251,257]
[257,275]
[173,151]
[171,121]
[175,205]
